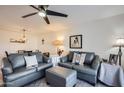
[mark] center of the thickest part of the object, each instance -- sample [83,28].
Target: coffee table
[61,77]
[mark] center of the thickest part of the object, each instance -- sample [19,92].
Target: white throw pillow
[31,61]
[82,58]
[76,58]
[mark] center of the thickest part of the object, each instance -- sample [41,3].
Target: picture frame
[75,41]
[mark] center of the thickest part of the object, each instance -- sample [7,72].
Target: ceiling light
[42,14]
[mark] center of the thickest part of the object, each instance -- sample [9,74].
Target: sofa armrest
[46,59]
[96,63]
[7,67]
[64,58]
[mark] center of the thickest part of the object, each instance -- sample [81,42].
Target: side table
[1,78]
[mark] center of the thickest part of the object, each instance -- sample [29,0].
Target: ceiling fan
[43,12]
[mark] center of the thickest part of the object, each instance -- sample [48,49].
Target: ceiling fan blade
[46,19]
[44,7]
[35,7]
[53,13]
[31,14]
[41,7]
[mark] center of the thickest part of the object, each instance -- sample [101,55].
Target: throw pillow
[76,58]
[39,56]
[82,58]
[31,61]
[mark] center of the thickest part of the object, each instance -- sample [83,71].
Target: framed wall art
[75,41]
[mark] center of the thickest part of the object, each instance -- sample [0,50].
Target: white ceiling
[10,16]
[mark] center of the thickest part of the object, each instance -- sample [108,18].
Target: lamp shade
[119,42]
[57,43]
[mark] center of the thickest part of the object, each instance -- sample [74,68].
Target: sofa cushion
[42,66]
[89,58]
[70,56]
[66,64]
[46,59]
[19,72]
[17,60]
[39,56]
[96,62]
[64,59]
[85,69]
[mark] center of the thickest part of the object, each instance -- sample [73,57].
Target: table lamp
[58,43]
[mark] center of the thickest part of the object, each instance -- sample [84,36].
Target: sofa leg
[74,85]
[47,83]
[93,84]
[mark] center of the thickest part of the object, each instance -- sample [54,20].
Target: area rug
[80,83]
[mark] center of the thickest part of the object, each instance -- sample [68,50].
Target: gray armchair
[84,72]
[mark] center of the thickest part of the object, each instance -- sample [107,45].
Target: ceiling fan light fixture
[42,14]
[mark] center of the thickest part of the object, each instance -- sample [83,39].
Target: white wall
[5,44]
[98,36]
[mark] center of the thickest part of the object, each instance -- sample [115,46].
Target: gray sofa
[15,72]
[87,72]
